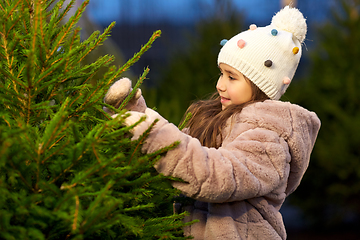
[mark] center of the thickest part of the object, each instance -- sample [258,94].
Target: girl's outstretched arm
[254,164]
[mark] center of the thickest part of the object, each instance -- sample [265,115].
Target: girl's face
[232,86]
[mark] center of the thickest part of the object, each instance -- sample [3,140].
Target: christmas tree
[67,169]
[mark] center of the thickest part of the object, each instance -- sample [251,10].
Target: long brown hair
[208,118]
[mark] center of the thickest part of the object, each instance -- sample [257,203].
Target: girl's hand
[117,94]
[149,115]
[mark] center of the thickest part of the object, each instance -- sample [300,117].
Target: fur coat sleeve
[265,148]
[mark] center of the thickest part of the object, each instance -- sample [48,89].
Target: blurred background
[183,69]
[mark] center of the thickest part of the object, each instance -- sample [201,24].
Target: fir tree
[67,169]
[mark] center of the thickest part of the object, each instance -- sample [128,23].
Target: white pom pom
[291,20]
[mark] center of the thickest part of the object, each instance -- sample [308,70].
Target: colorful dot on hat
[286,80]
[274,32]
[253,27]
[241,43]
[295,50]
[268,63]
[223,42]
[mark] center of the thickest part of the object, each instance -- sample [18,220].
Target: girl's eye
[231,78]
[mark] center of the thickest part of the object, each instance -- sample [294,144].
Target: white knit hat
[269,55]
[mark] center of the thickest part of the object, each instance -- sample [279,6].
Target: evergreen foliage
[67,169]
[330,190]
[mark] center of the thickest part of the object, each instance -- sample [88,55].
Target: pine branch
[142,138]
[54,129]
[186,120]
[75,222]
[12,10]
[68,27]
[69,168]
[63,13]
[8,72]
[24,22]
[42,45]
[138,207]
[75,36]
[94,204]
[94,68]
[43,185]
[135,58]
[137,85]
[2,8]
[99,41]
[49,3]
[22,177]
[91,99]
[58,151]
[164,150]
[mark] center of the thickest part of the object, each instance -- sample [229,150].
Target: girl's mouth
[224,99]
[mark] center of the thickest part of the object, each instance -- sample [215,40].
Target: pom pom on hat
[268,56]
[223,42]
[253,27]
[291,20]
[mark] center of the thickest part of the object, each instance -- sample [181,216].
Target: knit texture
[268,56]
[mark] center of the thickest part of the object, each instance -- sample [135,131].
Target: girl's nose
[220,86]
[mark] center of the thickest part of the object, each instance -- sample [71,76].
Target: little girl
[243,152]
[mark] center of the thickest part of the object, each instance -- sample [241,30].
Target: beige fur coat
[240,186]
